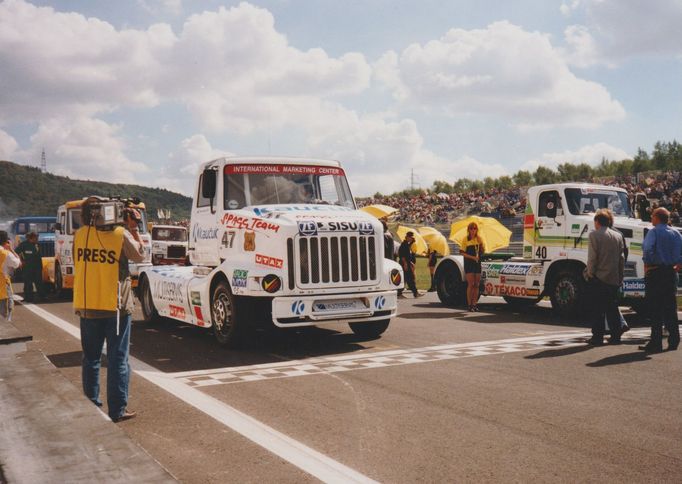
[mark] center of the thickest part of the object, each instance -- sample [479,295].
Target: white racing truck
[169,244]
[556,225]
[276,241]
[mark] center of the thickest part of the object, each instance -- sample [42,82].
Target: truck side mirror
[208,184]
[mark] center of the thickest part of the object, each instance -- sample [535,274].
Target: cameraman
[103,299]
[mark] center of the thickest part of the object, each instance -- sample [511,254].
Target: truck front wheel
[58,281]
[568,293]
[149,312]
[370,329]
[451,289]
[224,315]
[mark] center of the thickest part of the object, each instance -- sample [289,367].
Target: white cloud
[156,7]
[8,146]
[580,50]
[380,152]
[501,70]
[179,174]
[623,29]
[83,148]
[590,154]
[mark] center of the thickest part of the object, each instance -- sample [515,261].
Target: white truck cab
[169,244]
[557,223]
[276,241]
[68,222]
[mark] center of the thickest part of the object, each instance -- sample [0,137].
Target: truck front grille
[46,248]
[335,260]
[176,252]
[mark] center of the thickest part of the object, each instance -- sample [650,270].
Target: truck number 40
[541,252]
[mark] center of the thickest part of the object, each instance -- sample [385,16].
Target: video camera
[110,212]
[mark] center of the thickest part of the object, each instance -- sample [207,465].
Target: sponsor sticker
[204,233]
[195,297]
[283,169]
[239,277]
[634,285]
[515,269]
[298,307]
[168,291]
[532,292]
[575,228]
[177,312]
[311,227]
[265,260]
[233,221]
[271,283]
[340,305]
[310,209]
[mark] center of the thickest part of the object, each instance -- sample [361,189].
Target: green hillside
[25,190]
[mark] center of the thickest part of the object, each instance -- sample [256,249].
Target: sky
[403,93]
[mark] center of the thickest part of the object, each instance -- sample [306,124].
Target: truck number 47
[228,239]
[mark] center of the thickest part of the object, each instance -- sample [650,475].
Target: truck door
[550,231]
[204,236]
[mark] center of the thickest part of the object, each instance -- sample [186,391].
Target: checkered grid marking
[316,366]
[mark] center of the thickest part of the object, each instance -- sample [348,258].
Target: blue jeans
[93,334]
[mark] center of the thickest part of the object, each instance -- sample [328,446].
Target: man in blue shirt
[662,249]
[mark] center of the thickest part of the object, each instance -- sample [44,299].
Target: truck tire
[451,289]
[520,302]
[149,313]
[58,281]
[370,329]
[226,322]
[568,293]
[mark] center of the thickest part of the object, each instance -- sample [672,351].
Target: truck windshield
[23,228]
[169,234]
[285,184]
[589,200]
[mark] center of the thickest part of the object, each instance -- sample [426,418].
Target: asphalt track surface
[443,396]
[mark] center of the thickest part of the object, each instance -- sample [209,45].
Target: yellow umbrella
[419,246]
[494,234]
[435,240]
[379,211]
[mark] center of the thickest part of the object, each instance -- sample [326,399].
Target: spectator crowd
[647,192]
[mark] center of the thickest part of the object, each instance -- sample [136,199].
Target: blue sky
[144,90]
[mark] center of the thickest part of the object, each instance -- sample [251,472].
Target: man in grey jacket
[605,265]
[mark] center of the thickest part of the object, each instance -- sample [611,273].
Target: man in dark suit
[605,266]
[662,254]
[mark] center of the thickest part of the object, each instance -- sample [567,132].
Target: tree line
[666,156]
[26,190]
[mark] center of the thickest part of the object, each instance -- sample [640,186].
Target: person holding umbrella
[471,248]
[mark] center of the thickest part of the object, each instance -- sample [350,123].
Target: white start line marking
[305,458]
[382,359]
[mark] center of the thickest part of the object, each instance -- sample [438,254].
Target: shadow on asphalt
[572,350]
[620,359]
[173,346]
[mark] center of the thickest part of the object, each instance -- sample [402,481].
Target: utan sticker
[265,260]
[239,278]
[177,312]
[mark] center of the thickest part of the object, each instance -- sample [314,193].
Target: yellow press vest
[4,279]
[96,262]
